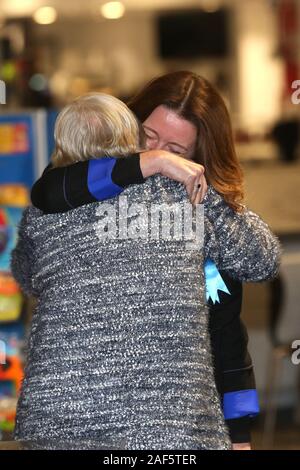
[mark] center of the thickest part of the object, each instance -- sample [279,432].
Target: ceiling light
[45,15]
[112,10]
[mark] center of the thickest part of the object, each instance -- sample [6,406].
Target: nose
[152,144]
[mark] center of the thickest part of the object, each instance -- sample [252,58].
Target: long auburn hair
[193,98]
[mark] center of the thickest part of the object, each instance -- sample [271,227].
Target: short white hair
[95,125]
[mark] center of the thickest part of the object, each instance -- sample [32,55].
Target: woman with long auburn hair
[195,100]
[183,115]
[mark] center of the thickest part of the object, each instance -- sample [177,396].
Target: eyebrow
[171,143]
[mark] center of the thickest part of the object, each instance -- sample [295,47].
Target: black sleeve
[64,188]
[127,171]
[58,188]
[240,429]
[232,362]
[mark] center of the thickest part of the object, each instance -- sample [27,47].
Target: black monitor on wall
[193,34]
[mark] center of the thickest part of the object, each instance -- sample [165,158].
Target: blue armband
[240,403]
[100,183]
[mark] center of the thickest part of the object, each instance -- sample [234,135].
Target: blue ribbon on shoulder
[214,281]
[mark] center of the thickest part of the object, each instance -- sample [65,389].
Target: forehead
[168,124]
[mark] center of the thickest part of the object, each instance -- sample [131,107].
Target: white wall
[123,53]
[119,53]
[260,71]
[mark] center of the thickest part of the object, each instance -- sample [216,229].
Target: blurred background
[52,51]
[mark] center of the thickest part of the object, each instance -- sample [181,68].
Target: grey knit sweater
[119,349]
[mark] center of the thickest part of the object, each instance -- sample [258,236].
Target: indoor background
[52,51]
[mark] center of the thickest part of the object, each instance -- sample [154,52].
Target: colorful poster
[11,299]
[17,149]
[9,220]
[14,138]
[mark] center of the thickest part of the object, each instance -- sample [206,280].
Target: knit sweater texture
[119,350]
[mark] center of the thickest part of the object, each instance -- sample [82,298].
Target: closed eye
[177,148]
[177,152]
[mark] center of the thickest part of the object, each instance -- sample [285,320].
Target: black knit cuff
[239,429]
[127,171]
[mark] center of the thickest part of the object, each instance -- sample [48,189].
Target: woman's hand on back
[177,168]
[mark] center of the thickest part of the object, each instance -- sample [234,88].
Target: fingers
[191,185]
[197,189]
[196,192]
[197,166]
[192,175]
[203,189]
[199,196]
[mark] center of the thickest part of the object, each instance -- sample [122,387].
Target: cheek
[148,144]
[151,144]
[190,154]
